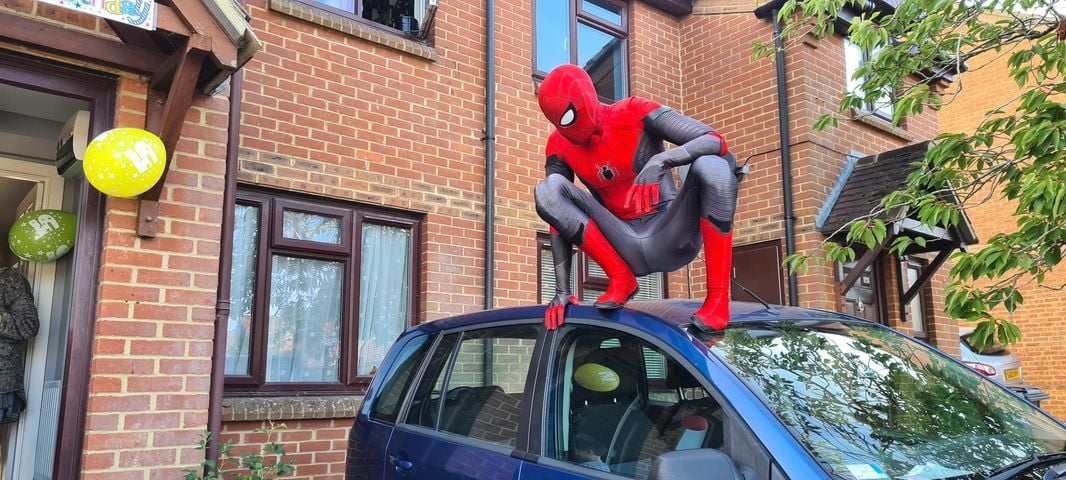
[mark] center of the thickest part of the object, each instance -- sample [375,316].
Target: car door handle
[401,464]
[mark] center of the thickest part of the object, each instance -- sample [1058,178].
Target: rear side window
[479,395]
[398,380]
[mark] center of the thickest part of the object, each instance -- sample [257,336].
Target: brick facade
[334,108]
[1040,317]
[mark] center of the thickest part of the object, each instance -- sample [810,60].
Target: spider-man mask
[568,98]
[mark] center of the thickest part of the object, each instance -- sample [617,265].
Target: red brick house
[1040,317]
[343,195]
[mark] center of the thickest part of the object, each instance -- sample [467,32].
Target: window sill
[259,409]
[879,123]
[351,26]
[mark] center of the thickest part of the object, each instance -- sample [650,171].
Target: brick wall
[1040,318]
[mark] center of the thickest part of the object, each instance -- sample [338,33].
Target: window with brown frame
[588,33]
[587,279]
[319,290]
[916,310]
[410,17]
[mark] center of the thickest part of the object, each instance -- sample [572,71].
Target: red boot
[718,254]
[623,284]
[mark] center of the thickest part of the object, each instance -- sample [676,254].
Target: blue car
[782,393]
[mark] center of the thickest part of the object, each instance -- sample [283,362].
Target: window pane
[553,33]
[303,338]
[488,379]
[384,292]
[914,308]
[852,61]
[242,288]
[616,403]
[600,54]
[314,228]
[425,407]
[406,366]
[603,9]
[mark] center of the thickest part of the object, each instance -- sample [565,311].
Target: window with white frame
[412,17]
[587,280]
[589,33]
[319,291]
[854,57]
[912,269]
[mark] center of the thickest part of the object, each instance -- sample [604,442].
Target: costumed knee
[716,173]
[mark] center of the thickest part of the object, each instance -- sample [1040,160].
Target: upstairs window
[589,33]
[854,57]
[413,17]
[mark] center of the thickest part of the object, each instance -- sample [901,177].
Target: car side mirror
[695,463]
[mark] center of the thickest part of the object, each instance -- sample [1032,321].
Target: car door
[466,417]
[614,401]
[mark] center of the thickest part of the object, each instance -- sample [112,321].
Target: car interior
[656,406]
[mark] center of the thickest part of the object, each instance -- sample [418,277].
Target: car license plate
[1012,374]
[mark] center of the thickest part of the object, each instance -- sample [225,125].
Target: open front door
[30,443]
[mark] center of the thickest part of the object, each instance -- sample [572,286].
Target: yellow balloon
[124,162]
[596,377]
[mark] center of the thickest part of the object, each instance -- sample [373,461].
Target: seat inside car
[598,413]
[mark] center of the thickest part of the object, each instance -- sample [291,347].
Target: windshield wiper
[1026,464]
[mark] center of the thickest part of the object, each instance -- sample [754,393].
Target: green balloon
[43,235]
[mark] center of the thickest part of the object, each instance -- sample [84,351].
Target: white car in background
[1000,365]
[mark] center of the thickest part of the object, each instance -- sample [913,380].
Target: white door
[22,459]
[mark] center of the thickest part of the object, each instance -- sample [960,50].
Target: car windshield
[871,403]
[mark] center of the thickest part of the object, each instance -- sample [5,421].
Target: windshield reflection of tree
[873,397]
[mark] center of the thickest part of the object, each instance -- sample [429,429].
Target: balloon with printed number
[43,235]
[124,162]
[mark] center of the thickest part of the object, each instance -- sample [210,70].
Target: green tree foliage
[1015,153]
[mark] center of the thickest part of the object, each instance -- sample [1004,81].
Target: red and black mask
[568,98]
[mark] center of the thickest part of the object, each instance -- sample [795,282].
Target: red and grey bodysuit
[633,220]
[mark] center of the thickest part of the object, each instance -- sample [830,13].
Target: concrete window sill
[259,409]
[879,123]
[356,28]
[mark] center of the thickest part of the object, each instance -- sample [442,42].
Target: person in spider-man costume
[633,220]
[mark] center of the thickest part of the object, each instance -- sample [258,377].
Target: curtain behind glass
[303,338]
[383,292]
[242,288]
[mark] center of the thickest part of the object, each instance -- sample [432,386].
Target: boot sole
[616,305]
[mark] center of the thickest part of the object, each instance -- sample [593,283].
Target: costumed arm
[562,254]
[18,315]
[693,140]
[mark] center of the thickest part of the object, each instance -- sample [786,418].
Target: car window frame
[520,449]
[537,444]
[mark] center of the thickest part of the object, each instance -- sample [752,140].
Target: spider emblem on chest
[607,173]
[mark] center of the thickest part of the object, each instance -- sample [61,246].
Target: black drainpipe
[490,169]
[225,262]
[786,148]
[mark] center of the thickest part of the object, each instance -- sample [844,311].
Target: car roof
[675,312]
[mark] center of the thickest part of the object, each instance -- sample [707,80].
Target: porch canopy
[859,191]
[196,47]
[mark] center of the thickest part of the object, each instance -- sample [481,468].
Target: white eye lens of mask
[568,117]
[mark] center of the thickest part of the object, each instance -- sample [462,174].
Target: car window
[479,395]
[398,379]
[617,402]
[860,396]
[425,406]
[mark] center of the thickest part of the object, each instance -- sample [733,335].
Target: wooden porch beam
[82,45]
[925,276]
[201,21]
[166,117]
[865,260]
[168,20]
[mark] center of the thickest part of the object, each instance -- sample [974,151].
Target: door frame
[49,195]
[99,90]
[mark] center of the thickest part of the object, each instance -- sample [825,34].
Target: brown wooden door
[758,268]
[863,299]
